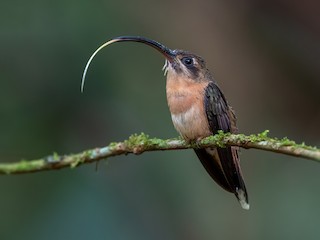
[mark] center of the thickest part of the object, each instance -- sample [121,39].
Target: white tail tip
[243,200]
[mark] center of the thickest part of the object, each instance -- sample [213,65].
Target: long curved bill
[168,53]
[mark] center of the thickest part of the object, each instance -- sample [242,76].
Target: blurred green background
[265,56]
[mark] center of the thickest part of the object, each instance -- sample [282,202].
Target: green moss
[307,147]
[143,140]
[158,142]
[138,143]
[218,139]
[263,136]
[221,139]
[113,144]
[55,157]
[287,142]
[137,139]
[80,158]
[24,165]
[76,161]
[242,138]
[278,142]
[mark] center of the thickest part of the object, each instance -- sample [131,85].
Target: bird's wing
[221,117]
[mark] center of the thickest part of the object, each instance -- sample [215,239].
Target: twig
[138,144]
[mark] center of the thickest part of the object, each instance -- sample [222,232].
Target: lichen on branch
[139,143]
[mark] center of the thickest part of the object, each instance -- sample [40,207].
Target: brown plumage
[198,109]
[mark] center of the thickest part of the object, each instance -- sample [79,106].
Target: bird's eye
[187,61]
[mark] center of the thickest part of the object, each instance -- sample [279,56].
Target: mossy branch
[138,144]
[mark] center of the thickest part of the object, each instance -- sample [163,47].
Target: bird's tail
[223,166]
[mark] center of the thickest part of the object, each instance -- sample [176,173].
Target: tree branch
[138,144]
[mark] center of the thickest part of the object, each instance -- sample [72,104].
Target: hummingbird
[198,109]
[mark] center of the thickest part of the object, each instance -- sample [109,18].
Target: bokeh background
[265,56]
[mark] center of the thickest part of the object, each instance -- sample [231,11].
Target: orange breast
[186,103]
